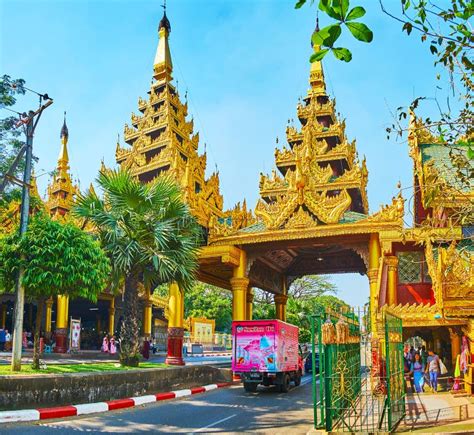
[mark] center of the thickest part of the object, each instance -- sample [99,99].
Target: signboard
[202,330]
[75,335]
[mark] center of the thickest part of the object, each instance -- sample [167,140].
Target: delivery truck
[266,352]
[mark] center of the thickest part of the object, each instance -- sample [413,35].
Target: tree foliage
[342,16]
[10,141]
[211,302]
[149,235]
[57,259]
[306,296]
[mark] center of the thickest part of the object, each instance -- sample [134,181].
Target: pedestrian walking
[113,346]
[418,370]
[8,341]
[2,339]
[433,368]
[105,344]
[146,349]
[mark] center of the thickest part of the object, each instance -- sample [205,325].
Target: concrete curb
[210,355]
[92,408]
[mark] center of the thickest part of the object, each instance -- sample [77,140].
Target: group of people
[5,340]
[420,364]
[109,345]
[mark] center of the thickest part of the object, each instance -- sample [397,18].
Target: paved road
[228,410]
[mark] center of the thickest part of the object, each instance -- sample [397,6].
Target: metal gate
[347,396]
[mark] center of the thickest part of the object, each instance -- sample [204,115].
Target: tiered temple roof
[61,191]
[319,179]
[320,176]
[161,140]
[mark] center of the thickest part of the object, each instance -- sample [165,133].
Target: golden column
[98,324]
[250,295]
[147,314]
[240,284]
[280,300]
[112,316]
[175,325]
[49,317]
[392,264]
[455,344]
[62,311]
[4,315]
[280,306]
[372,273]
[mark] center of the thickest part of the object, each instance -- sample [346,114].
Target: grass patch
[77,368]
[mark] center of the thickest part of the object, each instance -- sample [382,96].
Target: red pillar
[175,347]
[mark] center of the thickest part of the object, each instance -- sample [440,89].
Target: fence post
[313,374]
[387,373]
[328,385]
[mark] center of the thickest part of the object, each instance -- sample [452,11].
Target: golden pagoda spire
[316,74]
[61,191]
[163,66]
[63,159]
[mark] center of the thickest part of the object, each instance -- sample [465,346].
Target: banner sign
[75,334]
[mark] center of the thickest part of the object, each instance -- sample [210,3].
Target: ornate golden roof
[437,178]
[320,177]
[61,191]
[161,140]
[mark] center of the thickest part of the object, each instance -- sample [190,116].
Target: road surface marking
[215,423]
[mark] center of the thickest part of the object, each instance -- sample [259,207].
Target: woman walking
[113,346]
[417,369]
[105,344]
[433,369]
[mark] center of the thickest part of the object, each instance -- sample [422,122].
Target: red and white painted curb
[92,408]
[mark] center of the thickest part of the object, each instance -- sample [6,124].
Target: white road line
[215,423]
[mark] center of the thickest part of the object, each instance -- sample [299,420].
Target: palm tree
[149,235]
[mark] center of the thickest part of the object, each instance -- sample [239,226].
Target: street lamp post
[24,214]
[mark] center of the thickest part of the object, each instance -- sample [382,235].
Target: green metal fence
[346,397]
[395,377]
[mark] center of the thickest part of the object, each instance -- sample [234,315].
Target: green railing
[346,398]
[395,376]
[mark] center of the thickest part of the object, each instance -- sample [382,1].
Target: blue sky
[244,65]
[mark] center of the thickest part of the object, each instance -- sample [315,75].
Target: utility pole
[24,214]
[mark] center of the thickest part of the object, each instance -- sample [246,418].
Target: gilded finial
[64,131]
[164,23]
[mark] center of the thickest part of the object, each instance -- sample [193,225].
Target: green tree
[58,259]
[204,300]
[10,142]
[149,235]
[306,296]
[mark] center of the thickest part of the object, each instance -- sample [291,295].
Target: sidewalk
[94,356]
[83,356]
[438,413]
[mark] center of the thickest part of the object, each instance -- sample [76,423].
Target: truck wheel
[250,387]
[298,379]
[285,383]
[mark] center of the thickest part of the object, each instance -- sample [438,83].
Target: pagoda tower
[61,191]
[320,178]
[161,141]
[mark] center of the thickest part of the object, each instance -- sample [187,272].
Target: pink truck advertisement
[264,346]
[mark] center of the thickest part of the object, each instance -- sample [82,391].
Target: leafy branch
[344,17]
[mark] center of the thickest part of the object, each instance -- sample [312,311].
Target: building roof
[441,157]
